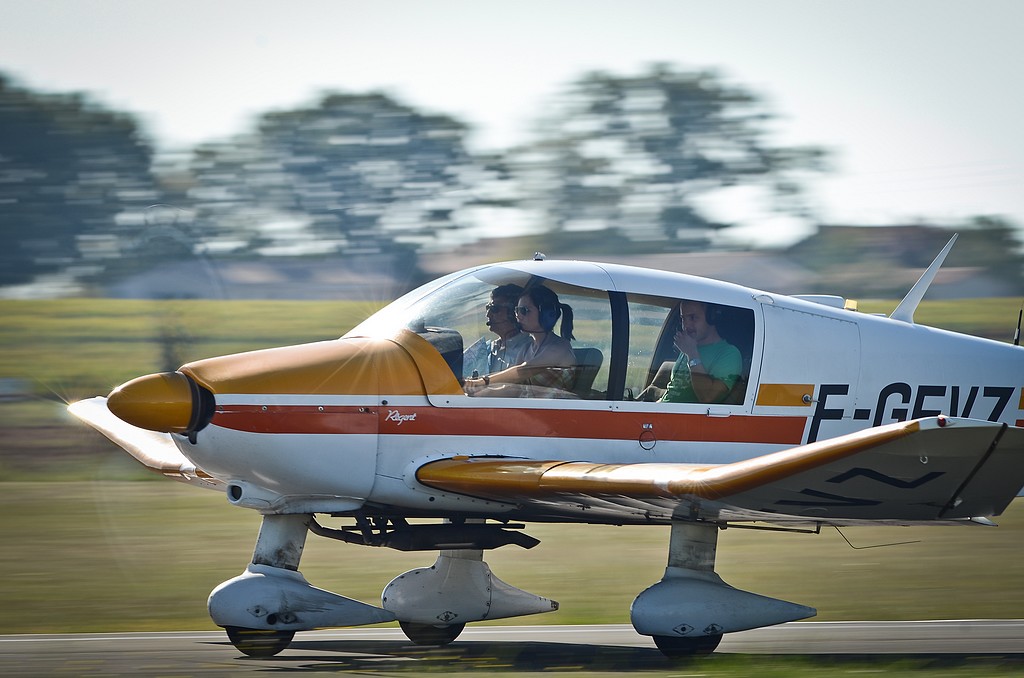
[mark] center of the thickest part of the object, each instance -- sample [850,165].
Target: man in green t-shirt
[708,366]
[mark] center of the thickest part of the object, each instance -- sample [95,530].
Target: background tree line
[619,164]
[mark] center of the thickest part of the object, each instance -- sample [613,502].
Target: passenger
[548,367]
[509,349]
[708,366]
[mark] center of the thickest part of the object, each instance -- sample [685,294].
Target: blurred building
[378,277]
[857,262]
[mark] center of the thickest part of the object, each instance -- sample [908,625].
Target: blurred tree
[355,174]
[884,261]
[69,172]
[637,155]
[993,244]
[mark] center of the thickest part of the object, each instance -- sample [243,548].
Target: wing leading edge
[932,469]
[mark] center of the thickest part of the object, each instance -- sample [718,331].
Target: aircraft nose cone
[157,402]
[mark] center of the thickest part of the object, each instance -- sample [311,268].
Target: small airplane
[830,417]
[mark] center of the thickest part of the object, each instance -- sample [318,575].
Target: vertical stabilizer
[905,311]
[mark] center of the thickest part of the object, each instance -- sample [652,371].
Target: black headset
[549,309]
[713,314]
[547,315]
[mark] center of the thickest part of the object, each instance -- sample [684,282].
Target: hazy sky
[922,100]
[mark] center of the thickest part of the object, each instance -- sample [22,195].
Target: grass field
[118,556]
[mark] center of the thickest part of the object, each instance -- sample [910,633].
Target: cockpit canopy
[624,320]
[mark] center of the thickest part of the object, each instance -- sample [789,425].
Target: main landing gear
[691,608]
[674,647]
[428,634]
[433,604]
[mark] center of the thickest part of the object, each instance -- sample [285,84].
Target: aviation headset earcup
[713,314]
[547,315]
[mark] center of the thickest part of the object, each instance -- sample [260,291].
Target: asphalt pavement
[499,650]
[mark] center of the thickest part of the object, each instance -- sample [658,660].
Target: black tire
[428,634]
[674,646]
[259,642]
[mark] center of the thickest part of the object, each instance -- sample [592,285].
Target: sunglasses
[523,310]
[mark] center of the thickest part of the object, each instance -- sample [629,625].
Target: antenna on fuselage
[906,308]
[1016,333]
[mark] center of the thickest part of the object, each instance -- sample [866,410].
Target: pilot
[509,349]
[548,364]
[708,366]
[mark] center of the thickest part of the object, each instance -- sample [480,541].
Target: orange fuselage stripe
[297,419]
[785,395]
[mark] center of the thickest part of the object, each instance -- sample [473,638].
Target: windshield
[449,312]
[470,322]
[454,301]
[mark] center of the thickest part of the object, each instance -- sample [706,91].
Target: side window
[548,366]
[647,321]
[592,327]
[719,340]
[736,327]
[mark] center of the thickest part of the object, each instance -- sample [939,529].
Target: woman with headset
[548,367]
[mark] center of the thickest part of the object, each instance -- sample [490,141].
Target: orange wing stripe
[511,479]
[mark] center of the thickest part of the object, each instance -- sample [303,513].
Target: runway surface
[496,650]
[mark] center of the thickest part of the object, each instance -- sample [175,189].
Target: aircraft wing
[156,451]
[933,469]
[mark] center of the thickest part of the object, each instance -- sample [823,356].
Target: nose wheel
[259,642]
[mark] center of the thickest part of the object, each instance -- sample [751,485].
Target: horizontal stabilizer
[931,469]
[156,451]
